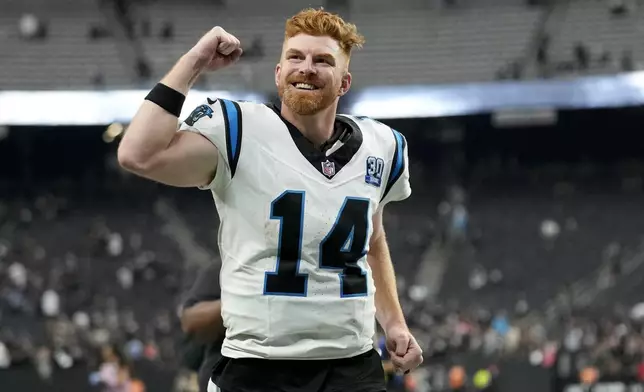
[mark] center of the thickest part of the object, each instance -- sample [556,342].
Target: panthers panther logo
[198,113]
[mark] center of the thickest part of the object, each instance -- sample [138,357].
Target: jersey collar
[327,163]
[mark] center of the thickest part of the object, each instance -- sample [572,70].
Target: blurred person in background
[5,356]
[43,363]
[202,323]
[457,378]
[32,27]
[114,372]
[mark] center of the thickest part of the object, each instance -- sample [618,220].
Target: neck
[318,128]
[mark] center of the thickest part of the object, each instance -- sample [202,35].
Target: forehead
[312,44]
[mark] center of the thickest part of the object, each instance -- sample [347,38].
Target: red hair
[318,22]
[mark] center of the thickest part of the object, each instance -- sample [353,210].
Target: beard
[306,102]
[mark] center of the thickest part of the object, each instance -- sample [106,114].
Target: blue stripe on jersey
[398,164]
[233,122]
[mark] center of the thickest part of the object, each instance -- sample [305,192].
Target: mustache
[312,81]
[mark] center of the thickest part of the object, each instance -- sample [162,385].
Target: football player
[300,191]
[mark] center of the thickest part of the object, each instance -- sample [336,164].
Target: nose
[307,66]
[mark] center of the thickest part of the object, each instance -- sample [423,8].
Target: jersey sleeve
[398,187]
[219,121]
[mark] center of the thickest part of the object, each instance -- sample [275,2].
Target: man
[300,193]
[202,323]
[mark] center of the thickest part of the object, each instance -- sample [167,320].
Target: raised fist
[217,49]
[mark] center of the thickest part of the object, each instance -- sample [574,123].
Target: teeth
[305,86]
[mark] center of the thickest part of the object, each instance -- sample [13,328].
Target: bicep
[189,161]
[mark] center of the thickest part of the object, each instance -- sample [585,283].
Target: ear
[346,84]
[278,71]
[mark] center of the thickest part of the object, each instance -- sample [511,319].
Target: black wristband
[169,99]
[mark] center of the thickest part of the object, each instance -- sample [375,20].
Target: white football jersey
[295,229]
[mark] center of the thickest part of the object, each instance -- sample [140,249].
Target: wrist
[185,73]
[392,321]
[194,61]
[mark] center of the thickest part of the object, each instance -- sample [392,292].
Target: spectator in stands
[5,356]
[125,277]
[113,371]
[32,28]
[512,70]
[459,216]
[43,363]
[50,303]
[114,244]
[145,27]
[543,53]
[618,7]
[185,382]
[167,31]
[256,49]
[97,31]
[627,63]
[457,378]
[123,9]
[18,275]
[97,79]
[581,56]
[477,278]
[143,70]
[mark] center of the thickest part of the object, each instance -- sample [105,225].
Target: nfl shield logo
[328,168]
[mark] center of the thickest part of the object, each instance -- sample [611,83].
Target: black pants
[362,373]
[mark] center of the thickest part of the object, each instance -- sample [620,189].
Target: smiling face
[312,73]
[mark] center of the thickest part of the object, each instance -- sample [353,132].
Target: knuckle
[219,32]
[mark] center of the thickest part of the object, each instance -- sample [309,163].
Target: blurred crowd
[129,20]
[611,344]
[586,56]
[76,291]
[579,314]
[92,280]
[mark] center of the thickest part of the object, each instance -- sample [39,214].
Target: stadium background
[520,254]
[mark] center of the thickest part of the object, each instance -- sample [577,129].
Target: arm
[204,321]
[152,147]
[388,310]
[201,314]
[404,352]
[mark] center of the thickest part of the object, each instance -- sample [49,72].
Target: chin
[306,103]
[303,108]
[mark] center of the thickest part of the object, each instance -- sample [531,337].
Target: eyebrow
[326,56]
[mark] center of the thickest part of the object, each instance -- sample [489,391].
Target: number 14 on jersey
[340,249]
